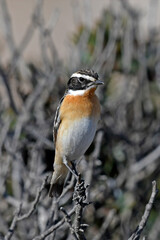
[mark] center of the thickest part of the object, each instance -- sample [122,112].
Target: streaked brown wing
[57,119]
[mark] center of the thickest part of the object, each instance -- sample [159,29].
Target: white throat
[79,92]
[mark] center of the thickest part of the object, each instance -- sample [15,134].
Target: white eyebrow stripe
[78,75]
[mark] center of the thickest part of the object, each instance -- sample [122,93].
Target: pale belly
[76,140]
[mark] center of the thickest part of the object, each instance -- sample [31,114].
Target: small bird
[75,125]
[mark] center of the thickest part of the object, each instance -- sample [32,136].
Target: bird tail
[58,179]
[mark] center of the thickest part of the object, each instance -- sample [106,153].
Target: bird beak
[98,82]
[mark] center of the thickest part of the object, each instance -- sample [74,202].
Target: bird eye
[81,79]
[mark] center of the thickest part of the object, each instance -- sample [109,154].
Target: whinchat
[75,124]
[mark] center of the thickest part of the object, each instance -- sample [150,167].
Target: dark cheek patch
[75,84]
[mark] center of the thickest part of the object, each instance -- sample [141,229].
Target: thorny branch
[76,228]
[68,220]
[79,198]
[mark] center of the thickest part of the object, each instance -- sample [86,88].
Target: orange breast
[85,105]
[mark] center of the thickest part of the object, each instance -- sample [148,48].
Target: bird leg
[71,169]
[74,168]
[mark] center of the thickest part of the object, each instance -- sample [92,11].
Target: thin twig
[7,26]
[8,90]
[146,161]
[35,202]
[18,218]
[13,224]
[53,228]
[140,227]
[105,225]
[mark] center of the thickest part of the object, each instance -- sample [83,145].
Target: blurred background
[41,44]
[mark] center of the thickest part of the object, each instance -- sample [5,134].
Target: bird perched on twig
[75,125]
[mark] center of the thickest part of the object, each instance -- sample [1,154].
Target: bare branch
[146,161]
[13,224]
[8,26]
[18,218]
[140,227]
[8,89]
[68,220]
[53,228]
[105,225]
[35,202]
